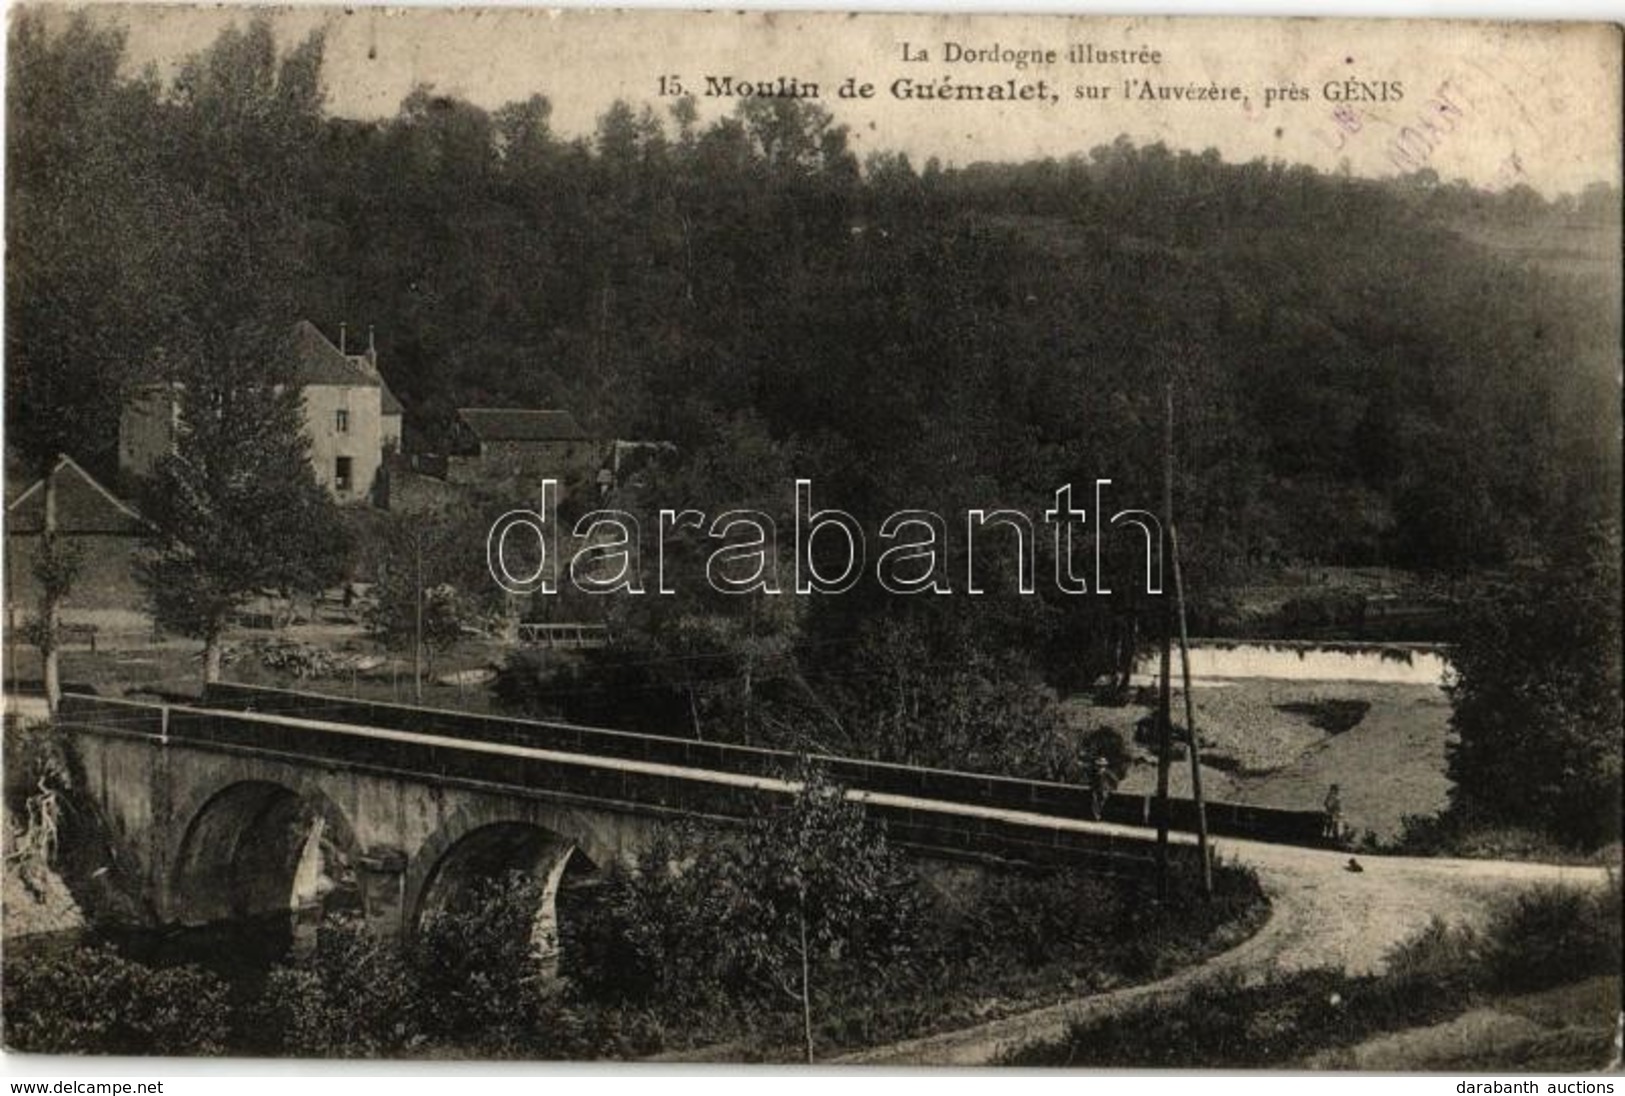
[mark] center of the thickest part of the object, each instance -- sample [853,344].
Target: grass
[1536,941]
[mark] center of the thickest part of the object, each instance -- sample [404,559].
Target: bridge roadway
[218,811]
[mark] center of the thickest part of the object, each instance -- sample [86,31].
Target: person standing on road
[1331,826]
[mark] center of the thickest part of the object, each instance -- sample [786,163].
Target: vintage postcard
[796,537]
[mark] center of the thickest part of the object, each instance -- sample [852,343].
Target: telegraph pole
[1165,698]
[417,628]
[1190,720]
[50,626]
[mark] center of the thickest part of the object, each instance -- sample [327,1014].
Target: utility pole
[1165,697]
[11,625]
[417,628]
[1190,720]
[51,658]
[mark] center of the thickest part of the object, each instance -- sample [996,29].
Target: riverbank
[34,900]
[1272,743]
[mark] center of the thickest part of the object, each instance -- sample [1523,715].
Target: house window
[342,475]
[341,421]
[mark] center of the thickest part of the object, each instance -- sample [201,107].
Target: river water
[236,951]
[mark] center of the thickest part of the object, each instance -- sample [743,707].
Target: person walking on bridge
[1101,785]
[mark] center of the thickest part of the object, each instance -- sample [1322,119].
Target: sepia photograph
[812,538]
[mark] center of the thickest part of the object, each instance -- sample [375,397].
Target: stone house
[512,448]
[352,419]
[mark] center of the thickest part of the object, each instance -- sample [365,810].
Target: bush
[654,929]
[472,982]
[1109,743]
[1552,935]
[1224,1024]
[1322,609]
[1536,699]
[1031,920]
[1538,939]
[480,980]
[352,995]
[35,751]
[1331,716]
[809,907]
[1451,834]
[91,1000]
[614,687]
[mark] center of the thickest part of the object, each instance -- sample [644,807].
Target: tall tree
[236,507]
[1536,696]
[89,260]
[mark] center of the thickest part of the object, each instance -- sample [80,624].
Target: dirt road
[1322,914]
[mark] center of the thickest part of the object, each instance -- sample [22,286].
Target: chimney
[343,332]
[372,348]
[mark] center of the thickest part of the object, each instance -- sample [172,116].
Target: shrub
[352,995]
[1225,1024]
[1452,834]
[1551,935]
[1331,716]
[35,751]
[1032,920]
[609,688]
[809,906]
[654,931]
[1109,743]
[480,980]
[1540,938]
[1536,700]
[91,1000]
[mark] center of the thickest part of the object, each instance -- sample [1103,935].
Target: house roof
[82,505]
[318,361]
[388,404]
[514,424]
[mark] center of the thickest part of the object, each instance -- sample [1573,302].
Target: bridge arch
[257,847]
[487,841]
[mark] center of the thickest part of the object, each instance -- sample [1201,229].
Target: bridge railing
[539,734]
[982,789]
[106,713]
[687,791]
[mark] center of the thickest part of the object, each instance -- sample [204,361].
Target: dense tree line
[1357,378]
[1351,370]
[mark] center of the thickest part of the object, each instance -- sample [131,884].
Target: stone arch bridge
[263,801]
